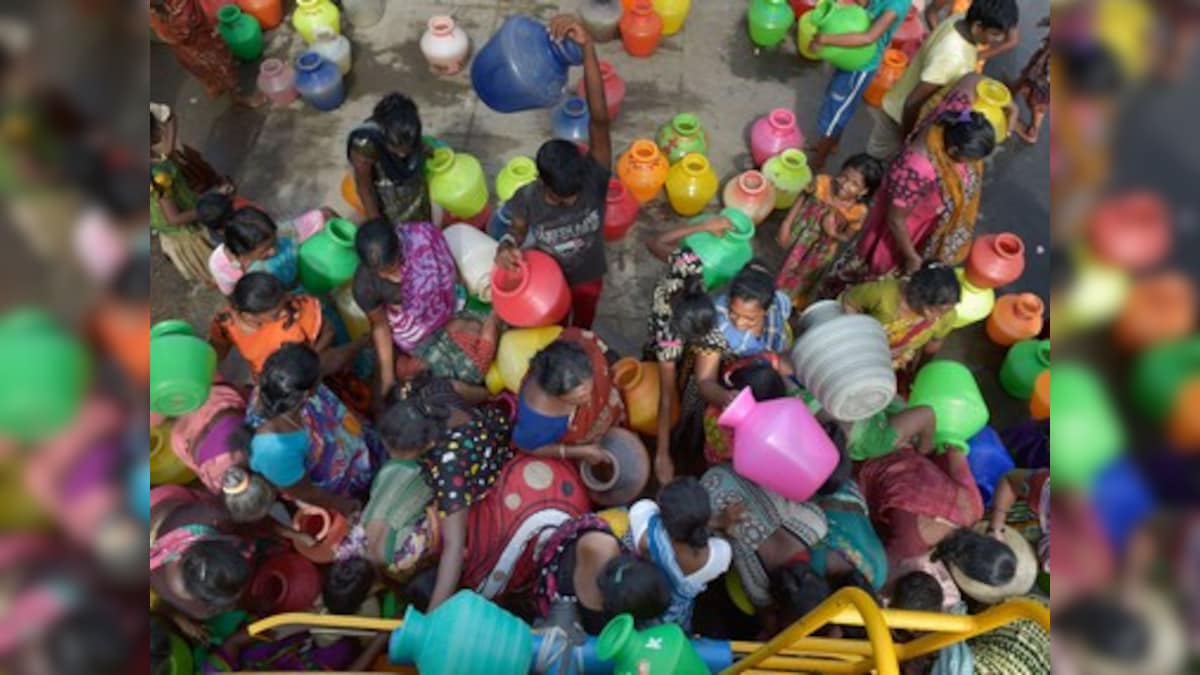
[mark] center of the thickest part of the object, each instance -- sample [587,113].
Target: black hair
[347,585]
[841,472]
[933,285]
[969,134]
[400,120]
[919,591]
[685,511]
[252,503]
[85,641]
[693,314]
[1090,68]
[764,381]
[995,14]
[419,589]
[413,418]
[215,573]
[287,378]
[561,167]
[560,367]
[979,556]
[630,585]
[753,283]
[872,171]
[132,280]
[257,292]
[247,229]
[800,588]
[160,645]
[1106,627]
[214,210]
[377,244]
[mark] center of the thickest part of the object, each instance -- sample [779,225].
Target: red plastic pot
[328,528]
[621,212]
[911,33]
[287,582]
[996,260]
[1131,230]
[533,295]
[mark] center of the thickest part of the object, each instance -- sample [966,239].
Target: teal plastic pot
[466,635]
[1022,365]
[835,18]
[951,390]
[663,648]
[44,372]
[1086,434]
[181,368]
[723,256]
[1159,373]
[328,259]
[770,21]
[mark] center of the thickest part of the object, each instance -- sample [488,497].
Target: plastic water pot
[643,170]
[779,445]
[333,47]
[789,175]
[691,184]
[285,582]
[640,388]
[534,294]
[520,67]
[951,390]
[570,119]
[277,81]
[621,211]
[1122,500]
[466,635]
[44,372]
[601,17]
[773,133]
[751,193]
[328,258]
[673,13]
[989,461]
[517,173]
[517,346]
[1131,231]
[457,182]
[165,467]
[445,45]
[1022,364]
[681,136]
[995,260]
[181,368]
[659,649]
[724,256]
[837,18]
[769,22]
[1086,434]
[319,81]
[241,32]
[1160,372]
[623,477]
[614,88]
[1160,308]
[311,14]
[975,304]
[641,29]
[717,655]
[844,361]
[474,252]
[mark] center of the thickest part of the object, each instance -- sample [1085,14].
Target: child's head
[630,585]
[751,294]
[214,210]
[397,114]
[258,298]
[990,20]
[933,290]
[288,378]
[859,178]
[978,556]
[561,168]
[764,381]
[348,585]
[86,641]
[215,573]
[248,496]
[685,511]
[918,591]
[693,314]
[250,234]
[413,420]
[968,135]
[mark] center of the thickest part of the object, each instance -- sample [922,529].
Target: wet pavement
[292,159]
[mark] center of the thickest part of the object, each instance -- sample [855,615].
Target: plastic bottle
[773,133]
[474,253]
[995,260]
[466,635]
[601,17]
[1016,317]
[789,175]
[751,193]
[1022,365]
[44,372]
[521,68]
[614,89]
[622,478]
[1159,308]
[319,81]
[691,185]
[621,211]
[683,135]
[277,81]
[517,346]
[535,294]
[570,119]
[241,32]
[951,390]
[181,368]
[643,170]
[457,183]
[268,13]
[445,46]
[333,47]
[769,22]
[659,649]
[641,29]
[725,255]
[363,14]
[891,67]
[975,304]
[1132,230]
[517,173]
[673,13]
[312,13]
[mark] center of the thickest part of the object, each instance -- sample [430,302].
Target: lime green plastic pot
[519,172]
[43,374]
[806,30]
[328,258]
[835,18]
[1023,363]
[951,390]
[723,256]
[457,183]
[1086,435]
[181,368]
[974,304]
[663,649]
[1160,372]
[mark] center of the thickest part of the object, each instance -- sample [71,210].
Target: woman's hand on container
[592,454]
[569,26]
[508,255]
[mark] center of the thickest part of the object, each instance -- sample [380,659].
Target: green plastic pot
[1086,435]
[328,258]
[457,183]
[180,661]
[664,649]
[769,21]
[241,32]
[835,18]
[951,390]
[519,172]
[806,30]
[181,368]
[723,256]
[1023,363]
[1159,373]
[44,372]
[682,135]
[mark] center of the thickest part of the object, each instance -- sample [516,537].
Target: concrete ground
[292,159]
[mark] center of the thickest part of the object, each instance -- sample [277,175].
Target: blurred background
[75,259]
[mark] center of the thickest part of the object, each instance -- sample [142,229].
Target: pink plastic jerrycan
[779,445]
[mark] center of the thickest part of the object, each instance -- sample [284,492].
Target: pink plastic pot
[533,295]
[779,445]
[614,89]
[773,133]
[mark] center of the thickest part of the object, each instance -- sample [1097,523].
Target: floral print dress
[823,231]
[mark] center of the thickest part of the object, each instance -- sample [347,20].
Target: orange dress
[301,322]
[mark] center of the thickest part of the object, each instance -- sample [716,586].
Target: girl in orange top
[263,316]
[822,222]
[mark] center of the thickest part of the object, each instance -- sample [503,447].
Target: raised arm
[599,138]
[662,245]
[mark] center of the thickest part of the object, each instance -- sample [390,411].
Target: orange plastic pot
[643,170]
[1159,308]
[1016,317]
[995,260]
[327,528]
[533,295]
[641,29]
[268,12]
[1183,425]
[640,387]
[350,194]
[1039,404]
[890,69]
[1131,230]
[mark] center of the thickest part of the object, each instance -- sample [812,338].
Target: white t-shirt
[720,554]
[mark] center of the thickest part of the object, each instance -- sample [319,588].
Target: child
[252,242]
[933,14]
[674,533]
[949,52]
[263,316]
[1034,87]
[846,87]
[822,223]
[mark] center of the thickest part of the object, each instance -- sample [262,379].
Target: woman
[182,25]
[262,317]
[405,284]
[305,441]
[461,450]
[917,314]
[567,401]
[387,155]
[753,315]
[254,243]
[173,204]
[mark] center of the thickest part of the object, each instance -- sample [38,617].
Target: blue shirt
[774,337]
[534,429]
[877,8]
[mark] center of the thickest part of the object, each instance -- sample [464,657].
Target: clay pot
[1016,317]
[995,260]
[624,476]
[643,170]
[1039,403]
[641,29]
[1131,230]
[614,89]
[621,211]
[328,528]
[286,582]
[641,389]
[1159,308]
[751,193]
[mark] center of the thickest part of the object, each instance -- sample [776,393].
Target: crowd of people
[445,486]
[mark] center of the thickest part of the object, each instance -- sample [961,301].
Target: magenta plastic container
[773,133]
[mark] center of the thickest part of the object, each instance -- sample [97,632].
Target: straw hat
[1022,581]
